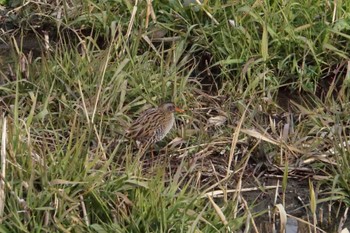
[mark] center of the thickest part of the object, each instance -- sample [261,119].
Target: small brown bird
[153,124]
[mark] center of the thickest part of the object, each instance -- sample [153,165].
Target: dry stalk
[132,19]
[3,169]
[85,216]
[250,215]
[234,140]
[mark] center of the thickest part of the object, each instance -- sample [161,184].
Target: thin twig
[218,193]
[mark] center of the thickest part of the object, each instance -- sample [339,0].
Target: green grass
[264,97]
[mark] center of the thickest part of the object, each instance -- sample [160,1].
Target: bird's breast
[166,127]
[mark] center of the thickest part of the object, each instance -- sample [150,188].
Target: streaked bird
[153,124]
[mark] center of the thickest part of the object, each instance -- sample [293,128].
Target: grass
[264,85]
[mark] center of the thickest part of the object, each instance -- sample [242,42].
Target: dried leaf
[217,120]
[283,216]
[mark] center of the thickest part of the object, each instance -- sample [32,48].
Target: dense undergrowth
[265,89]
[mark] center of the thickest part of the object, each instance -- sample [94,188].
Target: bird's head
[169,108]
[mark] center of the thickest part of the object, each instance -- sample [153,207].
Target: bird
[153,124]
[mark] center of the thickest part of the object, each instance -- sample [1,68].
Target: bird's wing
[142,125]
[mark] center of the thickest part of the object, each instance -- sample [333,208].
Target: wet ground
[297,199]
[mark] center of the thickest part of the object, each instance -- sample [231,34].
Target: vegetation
[265,86]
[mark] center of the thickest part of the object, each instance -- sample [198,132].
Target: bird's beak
[179,110]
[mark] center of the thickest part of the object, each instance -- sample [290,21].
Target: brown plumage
[153,124]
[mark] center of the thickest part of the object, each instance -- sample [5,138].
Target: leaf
[283,216]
